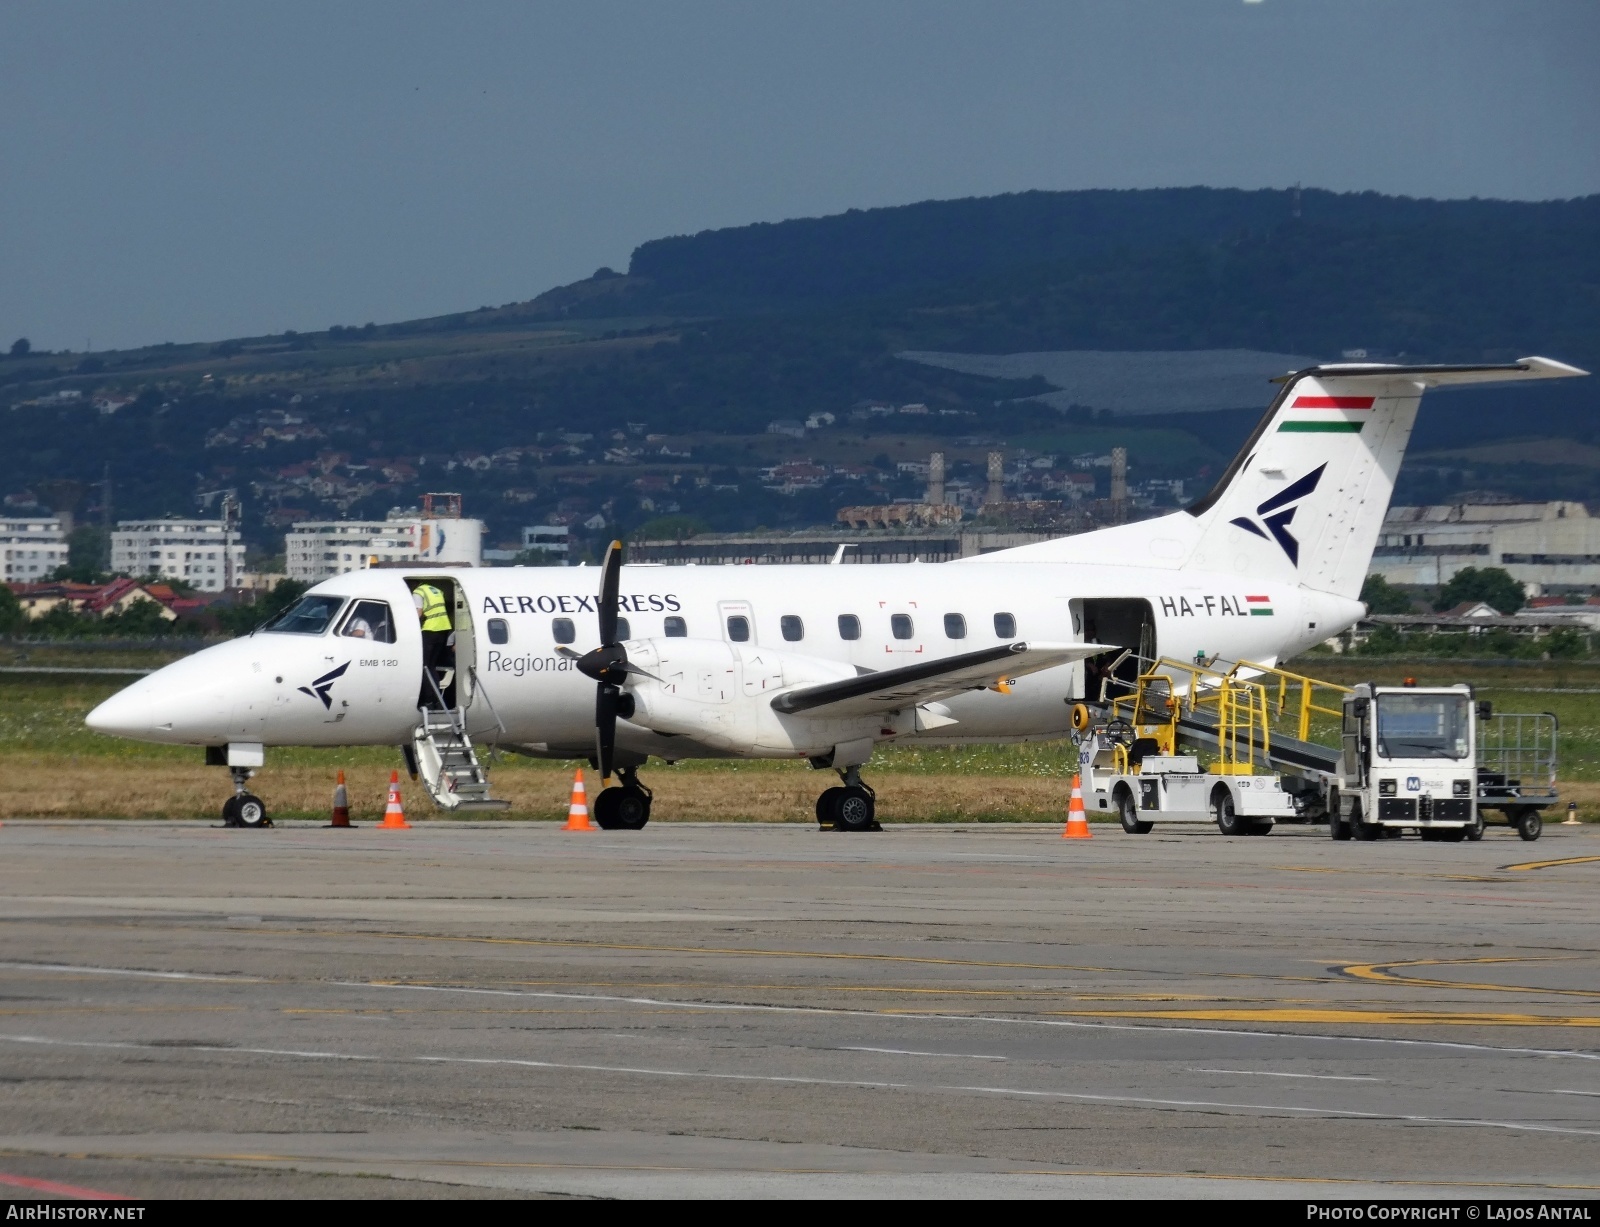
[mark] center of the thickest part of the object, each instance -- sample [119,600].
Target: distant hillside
[896,251]
[716,334]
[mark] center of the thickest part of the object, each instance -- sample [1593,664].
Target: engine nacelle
[720,694]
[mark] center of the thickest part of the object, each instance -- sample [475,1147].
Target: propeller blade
[610,580]
[605,729]
[628,666]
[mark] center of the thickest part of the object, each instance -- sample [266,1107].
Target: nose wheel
[626,808]
[852,807]
[244,808]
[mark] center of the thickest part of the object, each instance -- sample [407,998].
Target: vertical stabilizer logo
[1277,513]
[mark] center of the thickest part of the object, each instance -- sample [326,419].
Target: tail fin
[1304,499]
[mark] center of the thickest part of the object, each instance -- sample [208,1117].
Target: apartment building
[205,554]
[31,548]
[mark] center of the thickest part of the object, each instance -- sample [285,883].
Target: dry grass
[62,786]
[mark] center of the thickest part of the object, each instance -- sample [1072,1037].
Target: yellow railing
[1241,719]
[1244,708]
[1306,704]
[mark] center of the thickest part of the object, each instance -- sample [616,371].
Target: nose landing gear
[244,809]
[850,808]
[626,808]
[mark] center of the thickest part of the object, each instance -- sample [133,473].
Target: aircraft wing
[928,681]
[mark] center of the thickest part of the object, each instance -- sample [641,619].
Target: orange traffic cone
[1077,820]
[341,804]
[578,810]
[394,816]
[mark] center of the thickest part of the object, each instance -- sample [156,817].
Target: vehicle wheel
[251,810]
[1361,829]
[1128,811]
[1453,835]
[1228,822]
[1475,827]
[854,810]
[828,807]
[632,808]
[1530,825]
[1429,835]
[607,802]
[230,811]
[1338,828]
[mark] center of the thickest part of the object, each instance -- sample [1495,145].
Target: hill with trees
[706,338]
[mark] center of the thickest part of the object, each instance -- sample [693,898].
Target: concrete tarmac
[764,1011]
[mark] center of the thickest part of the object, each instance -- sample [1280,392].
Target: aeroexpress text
[627,603]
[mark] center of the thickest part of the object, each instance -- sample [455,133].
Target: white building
[553,539]
[31,548]
[1544,545]
[202,553]
[316,550]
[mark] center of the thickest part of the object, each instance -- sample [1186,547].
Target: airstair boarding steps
[449,765]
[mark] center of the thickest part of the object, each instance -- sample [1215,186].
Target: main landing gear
[626,808]
[850,808]
[244,809]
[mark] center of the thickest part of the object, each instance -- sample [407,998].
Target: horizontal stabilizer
[896,689]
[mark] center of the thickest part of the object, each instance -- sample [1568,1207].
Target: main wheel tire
[1530,824]
[1128,812]
[1475,827]
[854,810]
[633,808]
[251,811]
[828,807]
[1361,829]
[607,804]
[1228,821]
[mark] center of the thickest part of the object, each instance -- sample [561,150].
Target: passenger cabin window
[563,630]
[369,620]
[310,615]
[849,626]
[739,628]
[624,631]
[955,626]
[498,632]
[676,628]
[794,630]
[900,626]
[1005,625]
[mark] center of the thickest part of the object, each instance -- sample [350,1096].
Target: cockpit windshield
[310,615]
[1423,726]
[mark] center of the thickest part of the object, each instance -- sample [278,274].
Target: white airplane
[815,663]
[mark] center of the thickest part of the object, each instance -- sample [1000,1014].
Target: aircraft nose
[124,714]
[186,702]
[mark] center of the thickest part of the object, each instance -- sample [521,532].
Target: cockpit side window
[310,615]
[369,620]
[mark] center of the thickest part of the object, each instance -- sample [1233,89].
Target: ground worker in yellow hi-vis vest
[438,645]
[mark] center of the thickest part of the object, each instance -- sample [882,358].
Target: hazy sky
[195,171]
